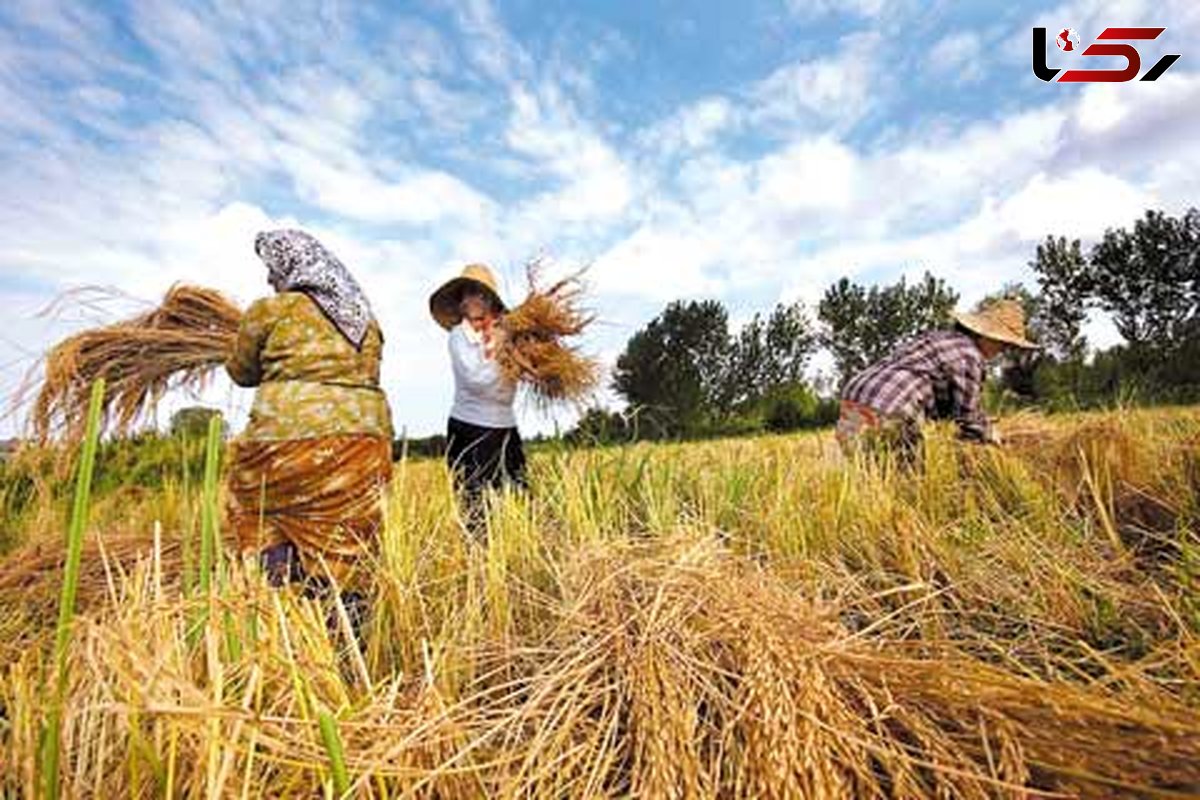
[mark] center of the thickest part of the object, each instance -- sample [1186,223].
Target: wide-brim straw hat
[1002,321]
[444,303]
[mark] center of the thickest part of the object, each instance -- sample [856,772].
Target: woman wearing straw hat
[306,476]
[483,445]
[938,375]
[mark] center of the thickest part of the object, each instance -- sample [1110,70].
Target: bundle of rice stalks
[176,345]
[534,352]
[697,676]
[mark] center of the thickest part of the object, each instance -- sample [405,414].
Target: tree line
[687,374]
[1147,279]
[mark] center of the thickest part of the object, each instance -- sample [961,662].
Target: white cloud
[184,41]
[72,34]
[101,98]
[809,176]
[594,181]
[487,43]
[808,9]
[351,190]
[450,111]
[1079,204]
[422,46]
[1101,108]
[20,116]
[958,56]
[693,127]
[991,245]
[218,247]
[663,262]
[836,90]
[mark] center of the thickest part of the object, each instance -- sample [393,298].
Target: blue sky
[752,152]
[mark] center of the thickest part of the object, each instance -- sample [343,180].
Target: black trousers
[483,458]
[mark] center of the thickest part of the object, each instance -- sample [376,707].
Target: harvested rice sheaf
[736,685]
[536,353]
[176,345]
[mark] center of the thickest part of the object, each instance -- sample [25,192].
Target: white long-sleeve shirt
[481,395]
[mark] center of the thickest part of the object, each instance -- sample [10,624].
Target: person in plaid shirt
[937,375]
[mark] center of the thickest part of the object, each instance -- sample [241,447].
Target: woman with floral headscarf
[306,475]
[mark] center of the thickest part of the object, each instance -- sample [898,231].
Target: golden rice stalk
[535,353]
[786,703]
[176,345]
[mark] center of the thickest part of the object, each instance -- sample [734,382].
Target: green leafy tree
[1147,278]
[744,375]
[843,312]
[793,406]
[766,355]
[674,369]
[1064,298]
[600,426]
[791,340]
[862,325]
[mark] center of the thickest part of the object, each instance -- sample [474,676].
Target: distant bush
[600,426]
[1119,375]
[192,422]
[789,407]
[798,407]
[33,477]
[428,447]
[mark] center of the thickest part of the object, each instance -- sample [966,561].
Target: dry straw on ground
[667,669]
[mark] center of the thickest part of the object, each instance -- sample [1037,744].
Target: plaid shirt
[938,375]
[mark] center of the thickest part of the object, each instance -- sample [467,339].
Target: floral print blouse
[311,380]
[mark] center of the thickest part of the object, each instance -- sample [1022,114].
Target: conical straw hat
[443,304]
[1001,320]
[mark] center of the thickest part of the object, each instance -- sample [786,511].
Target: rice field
[751,618]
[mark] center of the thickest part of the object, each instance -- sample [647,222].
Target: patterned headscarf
[299,263]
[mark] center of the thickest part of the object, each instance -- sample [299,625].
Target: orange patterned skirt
[323,495]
